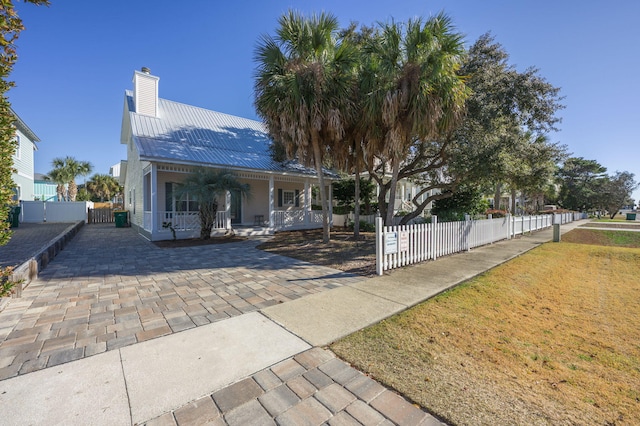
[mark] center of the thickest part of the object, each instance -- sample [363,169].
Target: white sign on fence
[404,240]
[390,242]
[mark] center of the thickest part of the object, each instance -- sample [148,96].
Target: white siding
[133,186]
[23,163]
[145,94]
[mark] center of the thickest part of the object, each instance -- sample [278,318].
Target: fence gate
[101,216]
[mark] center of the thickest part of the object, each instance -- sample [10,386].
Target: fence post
[467,231]
[434,224]
[508,216]
[379,250]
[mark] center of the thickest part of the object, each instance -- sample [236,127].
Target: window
[18,150]
[182,204]
[288,198]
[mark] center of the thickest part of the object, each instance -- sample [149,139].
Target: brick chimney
[145,92]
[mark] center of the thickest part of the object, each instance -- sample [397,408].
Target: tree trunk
[317,156]
[382,205]
[207,214]
[73,190]
[513,202]
[497,196]
[60,192]
[395,169]
[356,202]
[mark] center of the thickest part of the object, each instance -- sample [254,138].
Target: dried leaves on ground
[343,252]
[548,338]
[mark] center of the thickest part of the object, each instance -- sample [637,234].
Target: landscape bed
[343,252]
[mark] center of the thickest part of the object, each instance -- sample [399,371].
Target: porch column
[272,203]
[307,203]
[227,209]
[154,199]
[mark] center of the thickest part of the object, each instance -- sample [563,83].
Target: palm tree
[302,90]
[414,89]
[103,186]
[60,178]
[72,168]
[205,185]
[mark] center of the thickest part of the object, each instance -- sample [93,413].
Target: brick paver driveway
[111,288]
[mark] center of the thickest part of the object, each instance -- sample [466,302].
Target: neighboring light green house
[23,161]
[44,189]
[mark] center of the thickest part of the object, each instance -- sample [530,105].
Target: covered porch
[277,202]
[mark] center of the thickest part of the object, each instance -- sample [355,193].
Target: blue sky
[77,57]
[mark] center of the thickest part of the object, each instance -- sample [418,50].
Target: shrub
[364,226]
[342,209]
[6,284]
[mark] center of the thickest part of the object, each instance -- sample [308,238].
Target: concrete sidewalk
[262,367]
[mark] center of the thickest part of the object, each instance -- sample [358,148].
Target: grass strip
[548,338]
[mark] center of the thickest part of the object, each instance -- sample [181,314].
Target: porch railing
[190,221]
[295,219]
[221,220]
[182,221]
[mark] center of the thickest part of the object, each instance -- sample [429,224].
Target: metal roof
[190,135]
[22,126]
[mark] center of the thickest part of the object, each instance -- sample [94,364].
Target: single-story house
[166,140]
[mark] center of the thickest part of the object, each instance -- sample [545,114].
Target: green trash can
[14,216]
[122,218]
[631,216]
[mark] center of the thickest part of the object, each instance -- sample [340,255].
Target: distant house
[166,140]
[44,189]
[23,161]
[114,171]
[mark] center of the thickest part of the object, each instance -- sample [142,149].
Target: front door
[236,208]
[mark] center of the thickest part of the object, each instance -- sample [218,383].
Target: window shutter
[280,197]
[297,198]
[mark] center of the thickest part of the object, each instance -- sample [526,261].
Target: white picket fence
[46,211]
[398,246]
